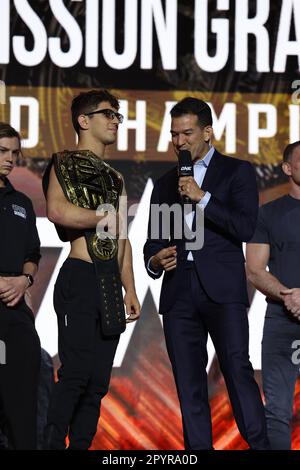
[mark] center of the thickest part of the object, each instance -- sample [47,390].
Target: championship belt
[88,182]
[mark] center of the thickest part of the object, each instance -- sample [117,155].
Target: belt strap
[112,310]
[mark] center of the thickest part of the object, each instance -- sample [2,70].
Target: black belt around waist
[112,310]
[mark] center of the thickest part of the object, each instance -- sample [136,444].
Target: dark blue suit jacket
[230,219]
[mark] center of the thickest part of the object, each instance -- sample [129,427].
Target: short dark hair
[288,151]
[8,131]
[87,102]
[194,106]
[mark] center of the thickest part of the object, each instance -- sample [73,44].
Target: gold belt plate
[104,249]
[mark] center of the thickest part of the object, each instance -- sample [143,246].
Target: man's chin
[5,173]
[110,141]
[182,149]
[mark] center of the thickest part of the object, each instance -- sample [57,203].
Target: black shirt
[19,240]
[278,225]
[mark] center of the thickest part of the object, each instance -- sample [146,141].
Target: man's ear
[286,168]
[208,132]
[83,121]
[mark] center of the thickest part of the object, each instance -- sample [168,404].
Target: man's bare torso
[79,248]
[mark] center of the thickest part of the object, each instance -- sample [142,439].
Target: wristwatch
[29,278]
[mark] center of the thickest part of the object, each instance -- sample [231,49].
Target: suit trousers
[19,376]
[86,357]
[186,327]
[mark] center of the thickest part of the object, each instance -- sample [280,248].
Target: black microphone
[185,168]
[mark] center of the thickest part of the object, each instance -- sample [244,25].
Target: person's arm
[32,269]
[257,258]
[133,308]
[122,226]
[237,217]
[62,212]
[164,260]
[158,256]
[131,302]
[12,289]
[291,299]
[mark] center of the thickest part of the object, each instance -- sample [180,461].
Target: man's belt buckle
[104,246]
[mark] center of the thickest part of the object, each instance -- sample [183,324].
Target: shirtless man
[88,331]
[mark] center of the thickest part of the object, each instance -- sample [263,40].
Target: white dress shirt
[200,168]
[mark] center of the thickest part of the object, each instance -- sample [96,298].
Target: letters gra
[145,24]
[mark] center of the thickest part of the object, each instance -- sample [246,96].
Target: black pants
[86,358]
[19,375]
[186,327]
[280,370]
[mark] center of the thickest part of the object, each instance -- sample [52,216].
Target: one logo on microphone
[186,168]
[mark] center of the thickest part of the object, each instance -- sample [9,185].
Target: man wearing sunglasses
[88,292]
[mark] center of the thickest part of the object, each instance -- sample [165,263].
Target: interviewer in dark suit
[204,290]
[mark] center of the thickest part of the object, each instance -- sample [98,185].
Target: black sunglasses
[108,113]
